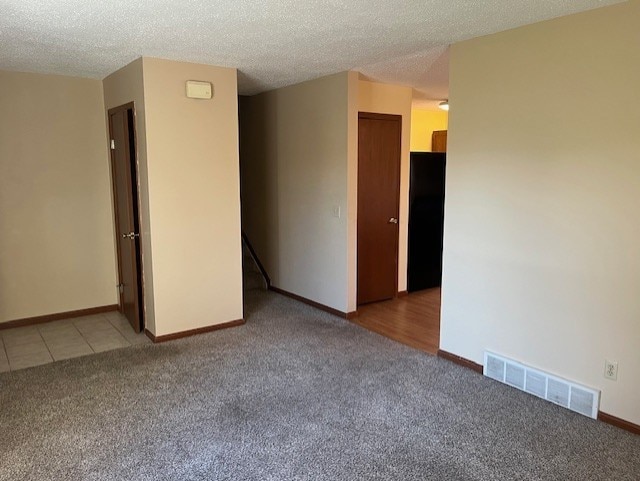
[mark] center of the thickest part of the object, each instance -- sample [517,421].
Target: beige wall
[394,99]
[353,84]
[541,257]
[122,87]
[194,196]
[300,160]
[56,234]
[294,163]
[423,124]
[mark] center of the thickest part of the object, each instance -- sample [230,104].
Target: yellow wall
[541,257]
[423,124]
[394,99]
[56,233]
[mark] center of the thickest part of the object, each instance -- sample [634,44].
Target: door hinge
[121,288]
[113,144]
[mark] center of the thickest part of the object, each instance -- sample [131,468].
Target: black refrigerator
[426,220]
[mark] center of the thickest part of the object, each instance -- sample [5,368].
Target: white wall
[56,234]
[294,162]
[541,257]
[394,99]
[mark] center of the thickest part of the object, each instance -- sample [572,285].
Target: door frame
[395,118]
[139,247]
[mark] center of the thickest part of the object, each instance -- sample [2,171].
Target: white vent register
[570,395]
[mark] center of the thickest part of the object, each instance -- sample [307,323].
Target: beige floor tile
[113,315]
[106,339]
[54,325]
[92,317]
[69,350]
[20,335]
[70,338]
[109,344]
[64,339]
[102,331]
[124,328]
[120,322]
[4,362]
[93,324]
[59,331]
[22,350]
[29,360]
[138,339]
[62,342]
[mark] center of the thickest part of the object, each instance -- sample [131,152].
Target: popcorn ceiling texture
[273,43]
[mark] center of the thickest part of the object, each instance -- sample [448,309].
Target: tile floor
[29,346]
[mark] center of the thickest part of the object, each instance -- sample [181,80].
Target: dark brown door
[379,138]
[125,195]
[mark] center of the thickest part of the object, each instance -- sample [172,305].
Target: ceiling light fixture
[444,105]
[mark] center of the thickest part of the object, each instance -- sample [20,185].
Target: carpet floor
[295,394]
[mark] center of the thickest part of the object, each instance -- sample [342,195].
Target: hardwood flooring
[413,320]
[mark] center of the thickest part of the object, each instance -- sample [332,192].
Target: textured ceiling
[273,43]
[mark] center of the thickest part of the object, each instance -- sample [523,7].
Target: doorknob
[130,235]
[393,220]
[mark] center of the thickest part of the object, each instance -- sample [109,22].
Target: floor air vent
[567,394]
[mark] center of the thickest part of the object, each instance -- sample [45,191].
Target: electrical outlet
[611,370]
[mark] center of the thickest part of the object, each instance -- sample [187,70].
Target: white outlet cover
[611,370]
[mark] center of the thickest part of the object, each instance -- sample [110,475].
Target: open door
[125,198]
[379,139]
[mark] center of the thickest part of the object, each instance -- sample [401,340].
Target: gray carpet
[293,394]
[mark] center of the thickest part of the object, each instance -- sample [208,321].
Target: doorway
[379,143]
[124,175]
[426,220]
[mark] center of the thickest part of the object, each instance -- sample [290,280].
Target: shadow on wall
[258,179]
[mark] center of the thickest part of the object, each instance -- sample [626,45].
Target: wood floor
[413,320]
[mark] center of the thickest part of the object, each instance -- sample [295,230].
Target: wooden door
[379,138]
[125,197]
[439,141]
